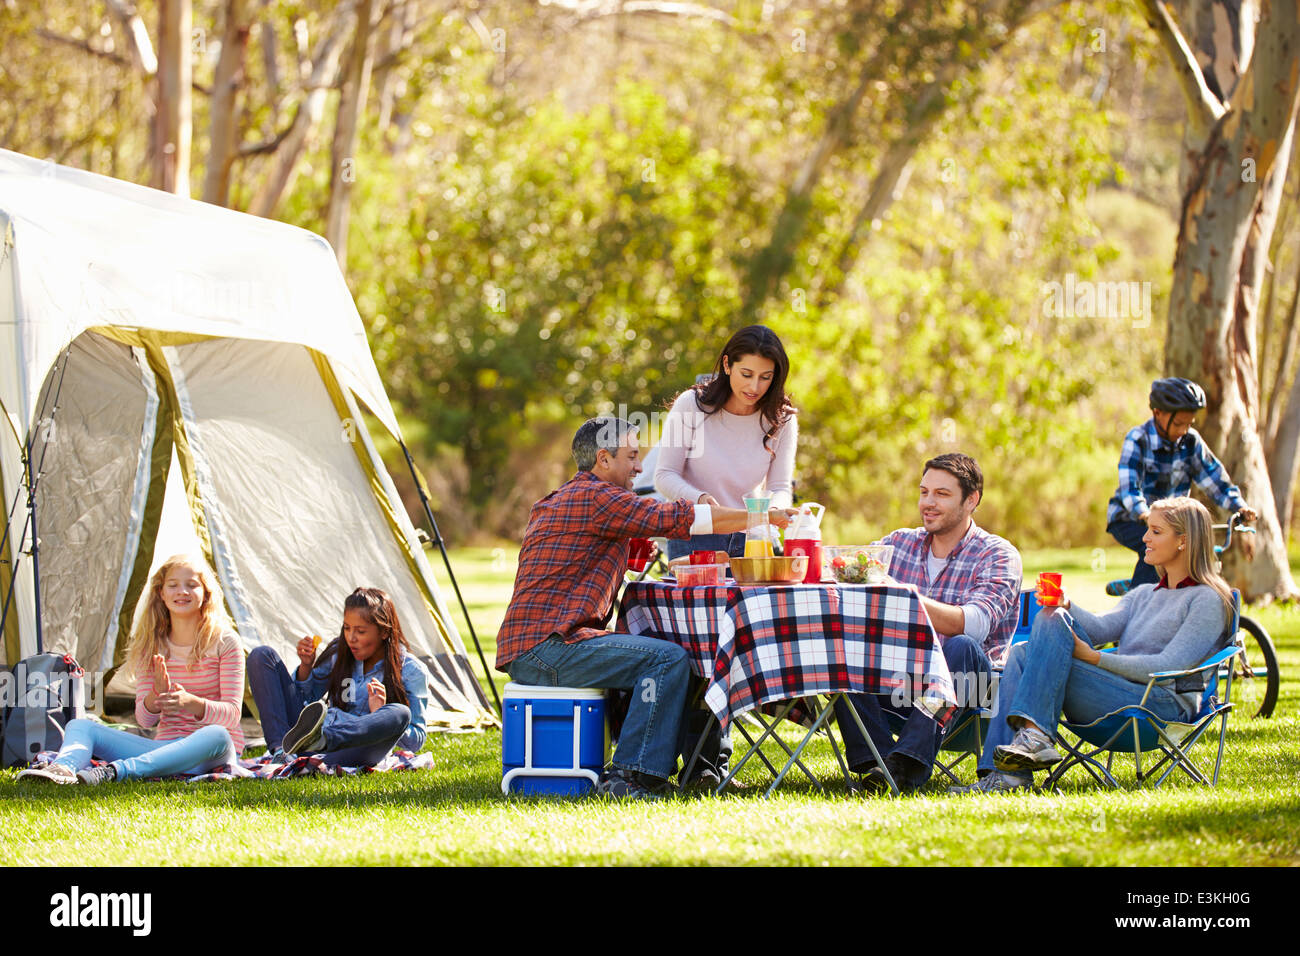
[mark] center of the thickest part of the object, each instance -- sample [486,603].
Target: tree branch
[1203,107]
[137,36]
[85,46]
[588,10]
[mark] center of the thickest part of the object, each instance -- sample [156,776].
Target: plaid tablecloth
[760,644]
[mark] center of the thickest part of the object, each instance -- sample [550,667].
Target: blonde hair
[1188,517]
[153,621]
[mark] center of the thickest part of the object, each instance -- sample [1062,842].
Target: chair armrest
[1223,655]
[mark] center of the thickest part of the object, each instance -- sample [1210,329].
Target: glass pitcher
[758,533]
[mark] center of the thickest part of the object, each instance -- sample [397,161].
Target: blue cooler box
[554,740]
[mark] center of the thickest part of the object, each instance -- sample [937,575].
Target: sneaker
[1030,749]
[631,785]
[306,736]
[50,772]
[999,781]
[94,776]
[1119,588]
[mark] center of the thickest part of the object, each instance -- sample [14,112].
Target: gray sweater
[1157,630]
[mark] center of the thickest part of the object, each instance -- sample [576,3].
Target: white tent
[139,331]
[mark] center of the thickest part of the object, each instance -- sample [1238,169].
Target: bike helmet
[1177,395]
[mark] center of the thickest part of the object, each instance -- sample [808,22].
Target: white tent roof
[152,260]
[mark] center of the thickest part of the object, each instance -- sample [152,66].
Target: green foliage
[555,262]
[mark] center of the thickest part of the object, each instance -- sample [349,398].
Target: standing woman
[731,436]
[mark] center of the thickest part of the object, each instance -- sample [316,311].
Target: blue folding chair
[1135,729]
[966,737]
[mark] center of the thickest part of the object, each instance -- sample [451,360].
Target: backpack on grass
[40,695]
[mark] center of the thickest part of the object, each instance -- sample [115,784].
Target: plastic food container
[698,575]
[859,563]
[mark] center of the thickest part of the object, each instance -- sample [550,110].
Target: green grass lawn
[456,814]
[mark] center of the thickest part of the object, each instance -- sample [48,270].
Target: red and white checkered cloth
[760,644]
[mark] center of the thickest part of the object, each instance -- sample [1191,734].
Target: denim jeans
[733,544]
[363,741]
[1129,534]
[350,740]
[655,671]
[208,748]
[278,699]
[920,736]
[1042,680]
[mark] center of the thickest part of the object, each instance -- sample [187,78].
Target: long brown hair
[153,625]
[1187,516]
[377,608]
[775,406]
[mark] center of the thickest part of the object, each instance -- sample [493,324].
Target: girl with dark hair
[364,694]
[732,435]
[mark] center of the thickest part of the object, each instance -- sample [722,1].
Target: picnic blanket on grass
[283,766]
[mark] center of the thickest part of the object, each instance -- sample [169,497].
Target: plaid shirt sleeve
[996,590]
[623,514]
[1212,478]
[1131,468]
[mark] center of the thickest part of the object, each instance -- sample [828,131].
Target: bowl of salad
[859,563]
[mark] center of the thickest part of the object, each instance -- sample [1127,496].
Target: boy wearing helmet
[1161,458]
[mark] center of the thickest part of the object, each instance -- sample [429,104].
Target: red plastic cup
[1049,589]
[704,557]
[638,553]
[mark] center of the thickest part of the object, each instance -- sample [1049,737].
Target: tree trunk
[284,161]
[1229,209]
[225,92]
[352,105]
[171,169]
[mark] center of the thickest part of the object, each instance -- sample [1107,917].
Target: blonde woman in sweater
[189,671]
[1172,625]
[731,436]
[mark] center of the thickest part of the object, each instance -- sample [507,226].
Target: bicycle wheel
[1255,681]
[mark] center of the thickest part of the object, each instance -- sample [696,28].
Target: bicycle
[1250,692]
[1252,695]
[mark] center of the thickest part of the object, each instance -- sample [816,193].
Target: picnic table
[760,644]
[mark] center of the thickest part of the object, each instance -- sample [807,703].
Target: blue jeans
[362,740]
[655,671]
[1042,680]
[1129,534]
[920,736]
[351,740]
[278,698]
[134,758]
[733,544]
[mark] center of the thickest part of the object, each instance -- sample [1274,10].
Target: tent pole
[36,560]
[437,539]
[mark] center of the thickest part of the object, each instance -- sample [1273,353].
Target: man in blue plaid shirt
[1161,458]
[969,582]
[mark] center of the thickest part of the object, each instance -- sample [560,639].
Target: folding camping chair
[966,737]
[1135,729]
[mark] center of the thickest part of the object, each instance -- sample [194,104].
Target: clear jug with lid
[758,533]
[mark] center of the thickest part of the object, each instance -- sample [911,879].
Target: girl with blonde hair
[1172,625]
[189,670]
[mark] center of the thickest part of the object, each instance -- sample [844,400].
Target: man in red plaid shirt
[969,582]
[574,553]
